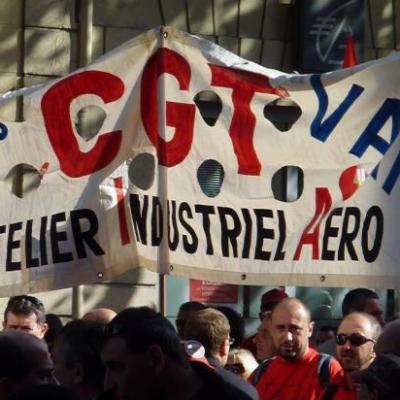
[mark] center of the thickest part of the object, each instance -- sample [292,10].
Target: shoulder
[260,370]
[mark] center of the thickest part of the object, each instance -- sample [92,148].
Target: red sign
[210,292]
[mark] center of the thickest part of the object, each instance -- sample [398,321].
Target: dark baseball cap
[273,296]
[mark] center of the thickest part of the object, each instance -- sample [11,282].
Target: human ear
[155,358]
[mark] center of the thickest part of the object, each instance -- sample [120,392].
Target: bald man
[100,315]
[297,372]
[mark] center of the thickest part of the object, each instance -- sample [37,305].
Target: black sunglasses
[355,339]
[25,298]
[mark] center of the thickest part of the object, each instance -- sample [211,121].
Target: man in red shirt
[355,350]
[294,373]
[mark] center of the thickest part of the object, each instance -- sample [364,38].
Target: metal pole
[19,113]
[162,294]
[85,57]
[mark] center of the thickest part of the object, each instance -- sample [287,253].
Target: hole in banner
[23,179]
[210,176]
[282,113]
[209,105]
[88,121]
[288,183]
[141,171]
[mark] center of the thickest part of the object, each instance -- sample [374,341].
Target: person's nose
[288,336]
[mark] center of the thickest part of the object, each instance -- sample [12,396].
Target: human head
[241,362]
[236,323]
[25,313]
[354,356]
[55,325]
[141,347]
[101,315]
[325,332]
[77,360]
[381,380]
[25,360]
[270,299]
[389,340]
[291,329]
[211,328]
[263,340]
[363,300]
[185,312]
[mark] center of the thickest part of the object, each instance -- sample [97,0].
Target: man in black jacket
[145,360]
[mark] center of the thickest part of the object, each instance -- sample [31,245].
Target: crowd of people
[138,354]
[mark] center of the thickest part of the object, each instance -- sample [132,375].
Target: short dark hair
[236,322]
[26,305]
[142,327]
[15,362]
[192,306]
[356,299]
[82,342]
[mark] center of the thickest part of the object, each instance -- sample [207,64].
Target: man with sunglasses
[25,313]
[355,351]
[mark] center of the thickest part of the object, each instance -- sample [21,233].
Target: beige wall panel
[370,54]
[8,48]
[50,51]
[7,108]
[174,14]
[127,13]
[277,19]
[51,13]
[251,13]
[119,297]
[385,52]
[251,49]
[200,17]
[137,276]
[117,36]
[98,42]
[382,16]
[272,54]
[10,11]
[226,14]
[229,43]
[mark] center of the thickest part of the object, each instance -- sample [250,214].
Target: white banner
[125,163]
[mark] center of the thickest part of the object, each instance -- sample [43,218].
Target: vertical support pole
[85,57]
[162,294]
[19,113]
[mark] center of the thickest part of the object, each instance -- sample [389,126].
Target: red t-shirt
[343,392]
[294,380]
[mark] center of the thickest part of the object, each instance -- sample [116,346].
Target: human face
[26,323]
[373,307]
[290,330]
[65,375]
[263,341]
[128,374]
[42,371]
[350,357]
